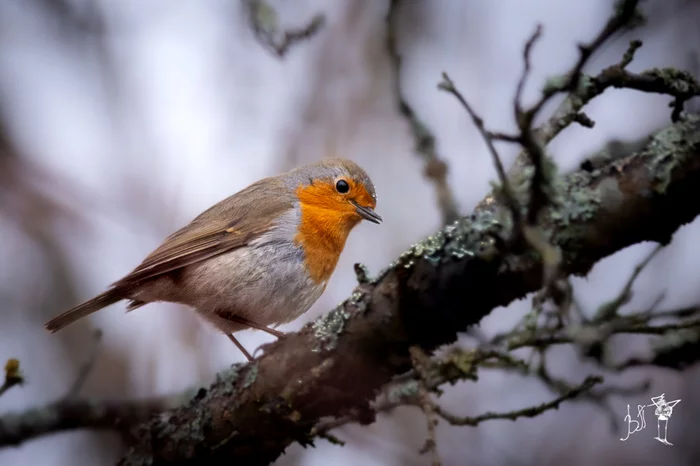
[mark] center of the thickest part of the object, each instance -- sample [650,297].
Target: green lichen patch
[430,248]
[575,201]
[472,236]
[671,148]
[479,236]
[475,236]
[166,424]
[328,327]
[403,391]
[358,300]
[679,82]
[251,376]
[555,84]
[362,273]
[225,382]
[521,181]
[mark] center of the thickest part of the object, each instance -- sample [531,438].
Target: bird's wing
[228,225]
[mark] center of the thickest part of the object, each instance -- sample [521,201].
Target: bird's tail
[95,304]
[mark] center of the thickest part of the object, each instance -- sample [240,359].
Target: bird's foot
[249,323]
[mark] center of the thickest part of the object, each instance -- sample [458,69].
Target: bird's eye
[342,186]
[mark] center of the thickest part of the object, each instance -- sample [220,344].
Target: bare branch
[435,167]
[632,324]
[419,359]
[13,376]
[612,307]
[508,197]
[676,350]
[533,411]
[541,192]
[625,14]
[69,413]
[527,51]
[410,394]
[265,24]
[539,184]
[87,366]
[429,408]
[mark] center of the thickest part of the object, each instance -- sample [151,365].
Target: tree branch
[425,144]
[265,25]
[338,364]
[69,413]
[420,359]
[533,411]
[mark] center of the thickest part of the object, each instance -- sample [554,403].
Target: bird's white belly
[267,285]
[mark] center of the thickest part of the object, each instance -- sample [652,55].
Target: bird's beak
[367,213]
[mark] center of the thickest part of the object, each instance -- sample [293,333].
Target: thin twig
[448,86]
[527,50]
[420,401]
[68,414]
[559,385]
[532,411]
[85,370]
[570,108]
[428,408]
[504,137]
[13,376]
[540,182]
[264,22]
[612,307]
[624,14]
[621,325]
[331,438]
[425,145]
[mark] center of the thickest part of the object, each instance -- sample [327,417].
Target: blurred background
[122,120]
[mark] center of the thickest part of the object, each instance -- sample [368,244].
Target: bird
[255,260]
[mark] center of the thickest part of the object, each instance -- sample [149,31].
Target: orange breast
[324,227]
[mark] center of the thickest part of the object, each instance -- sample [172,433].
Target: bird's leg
[249,323]
[240,347]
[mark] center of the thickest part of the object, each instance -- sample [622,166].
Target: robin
[257,259]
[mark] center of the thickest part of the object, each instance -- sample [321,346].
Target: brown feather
[95,304]
[230,224]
